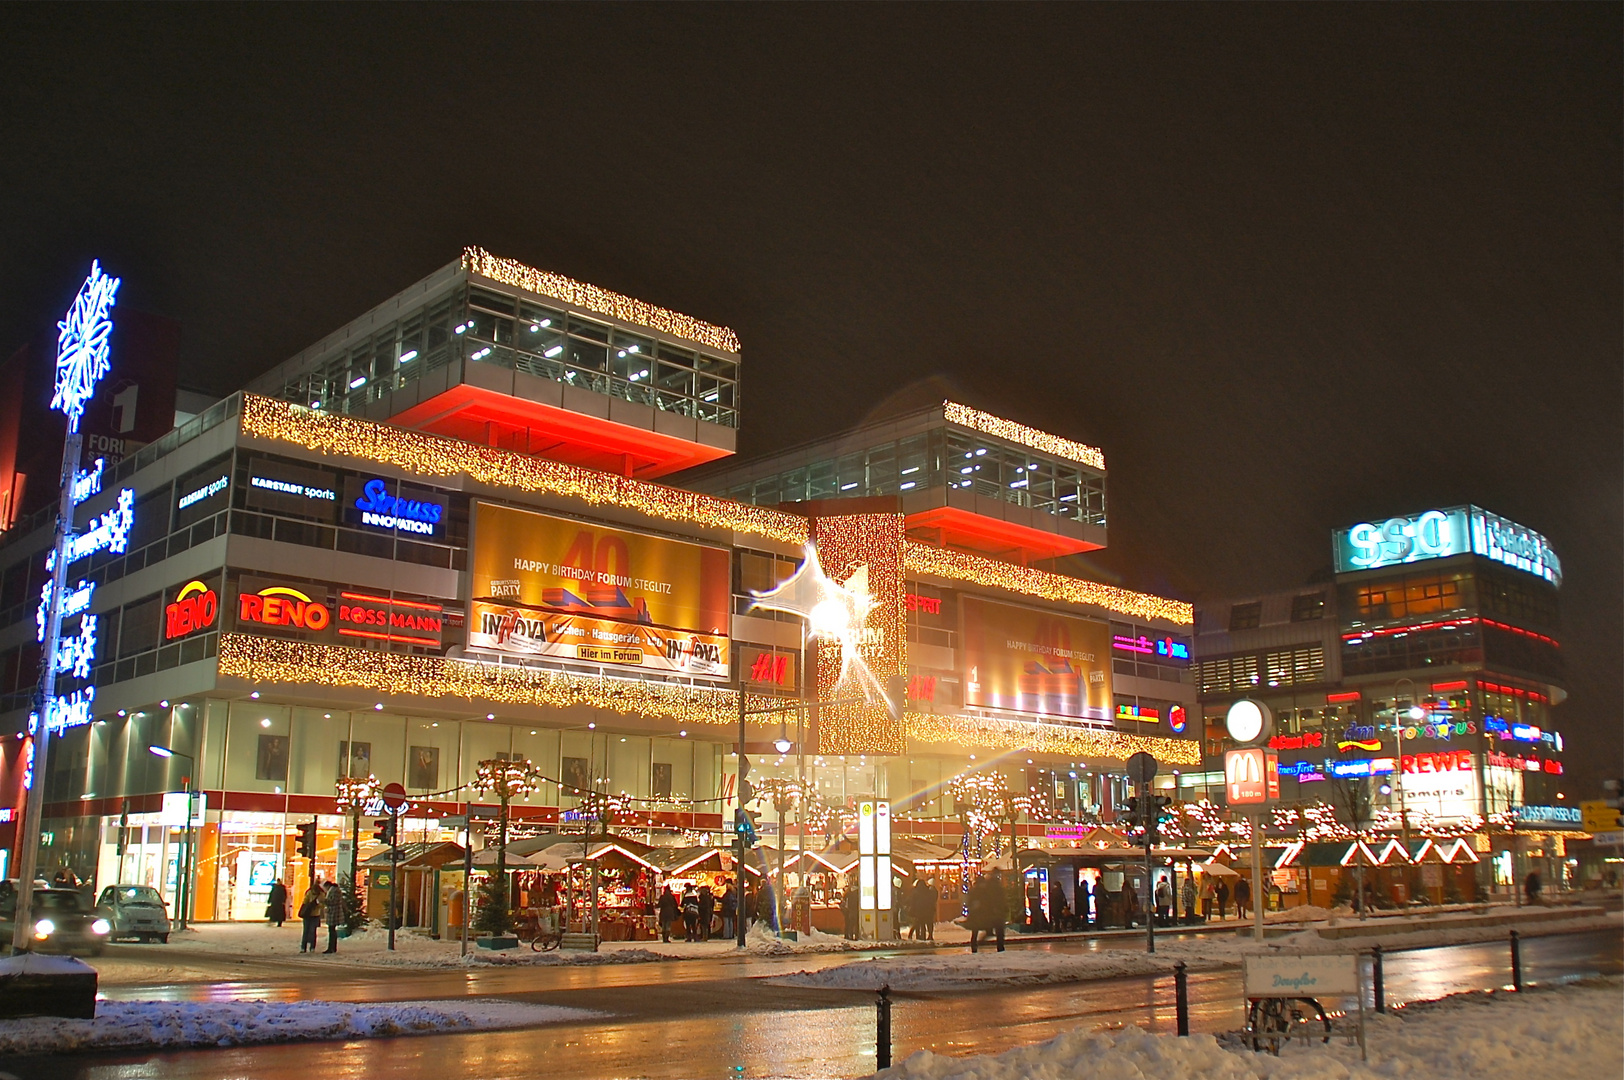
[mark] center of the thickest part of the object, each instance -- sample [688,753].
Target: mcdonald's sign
[1251,776]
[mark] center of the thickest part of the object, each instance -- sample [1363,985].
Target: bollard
[1377,991]
[1181,996]
[882,1029]
[1516,962]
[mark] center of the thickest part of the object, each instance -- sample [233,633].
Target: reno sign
[1439,534]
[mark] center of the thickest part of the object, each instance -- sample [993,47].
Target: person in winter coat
[730,910]
[849,909]
[1209,897]
[922,906]
[310,915]
[1223,898]
[989,910]
[1243,898]
[668,913]
[1187,898]
[1532,886]
[276,906]
[333,907]
[1164,902]
[1130,905]
[690,913]
[707,911]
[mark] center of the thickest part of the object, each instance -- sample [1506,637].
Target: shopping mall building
[439,536]
[1427,670]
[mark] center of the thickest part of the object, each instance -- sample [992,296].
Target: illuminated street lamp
[183,901]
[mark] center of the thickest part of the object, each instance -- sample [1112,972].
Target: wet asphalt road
[703,1019]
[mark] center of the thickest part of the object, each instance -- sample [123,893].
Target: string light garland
[602,301]
[356,793]
[436,456]
[846,544]
[986,733]
[1010,431]
[962,566]
[263,659]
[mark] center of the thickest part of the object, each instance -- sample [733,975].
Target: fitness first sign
[1439,534]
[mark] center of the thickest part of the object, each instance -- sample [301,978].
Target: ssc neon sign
[1440,534]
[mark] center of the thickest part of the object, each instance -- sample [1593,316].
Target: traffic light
[747,790]
[1131,816]
[1159,815]
[383,830]
[744,823]
[1615,793]
[307,840]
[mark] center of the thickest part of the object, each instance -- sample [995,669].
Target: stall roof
[418,853]
[546,840]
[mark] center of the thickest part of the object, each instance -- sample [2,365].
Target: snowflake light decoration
[83,344]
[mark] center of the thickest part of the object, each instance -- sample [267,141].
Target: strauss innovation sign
[1438,534]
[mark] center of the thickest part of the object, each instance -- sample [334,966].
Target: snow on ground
[966,971]
[1572,1030]
[164,1024]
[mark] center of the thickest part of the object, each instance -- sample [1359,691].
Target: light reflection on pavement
[698,1019]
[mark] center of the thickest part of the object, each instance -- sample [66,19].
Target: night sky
[1292,267]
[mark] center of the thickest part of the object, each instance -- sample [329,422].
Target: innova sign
[1439,534]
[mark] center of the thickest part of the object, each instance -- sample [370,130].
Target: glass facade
[946,458]
[487,326]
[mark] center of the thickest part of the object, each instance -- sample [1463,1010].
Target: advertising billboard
[1033,661]
[570,590]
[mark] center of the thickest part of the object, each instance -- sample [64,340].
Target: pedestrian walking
[690,913]
[276,906]
[1243,898]
[668,913]
[310,915]
[989,910]
[1223,899]
[1187,897]
[730,910]
[332,903]
[1164,902]
[1209,897]
[848,908]
[922,904]
[707,911]
[1532,886]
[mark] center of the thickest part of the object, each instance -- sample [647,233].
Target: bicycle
[1275,1021]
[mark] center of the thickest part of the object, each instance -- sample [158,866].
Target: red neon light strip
[1351,695]
[1451,623]
[1555,644]
[1445,687]
[389,637]
[384,600]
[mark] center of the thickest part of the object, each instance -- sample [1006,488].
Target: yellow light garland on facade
[962,566]
[845,543]
[989,734]
[436,456]
[274,660]
[1010,431]
[592,298]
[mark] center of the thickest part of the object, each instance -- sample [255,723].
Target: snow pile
[761,941]
[154,1024]
[1576,1030]
[974,971]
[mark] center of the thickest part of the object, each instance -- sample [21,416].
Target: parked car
[64,922]
[134,911]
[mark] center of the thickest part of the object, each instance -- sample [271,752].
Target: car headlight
[44,929]
[101,926]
